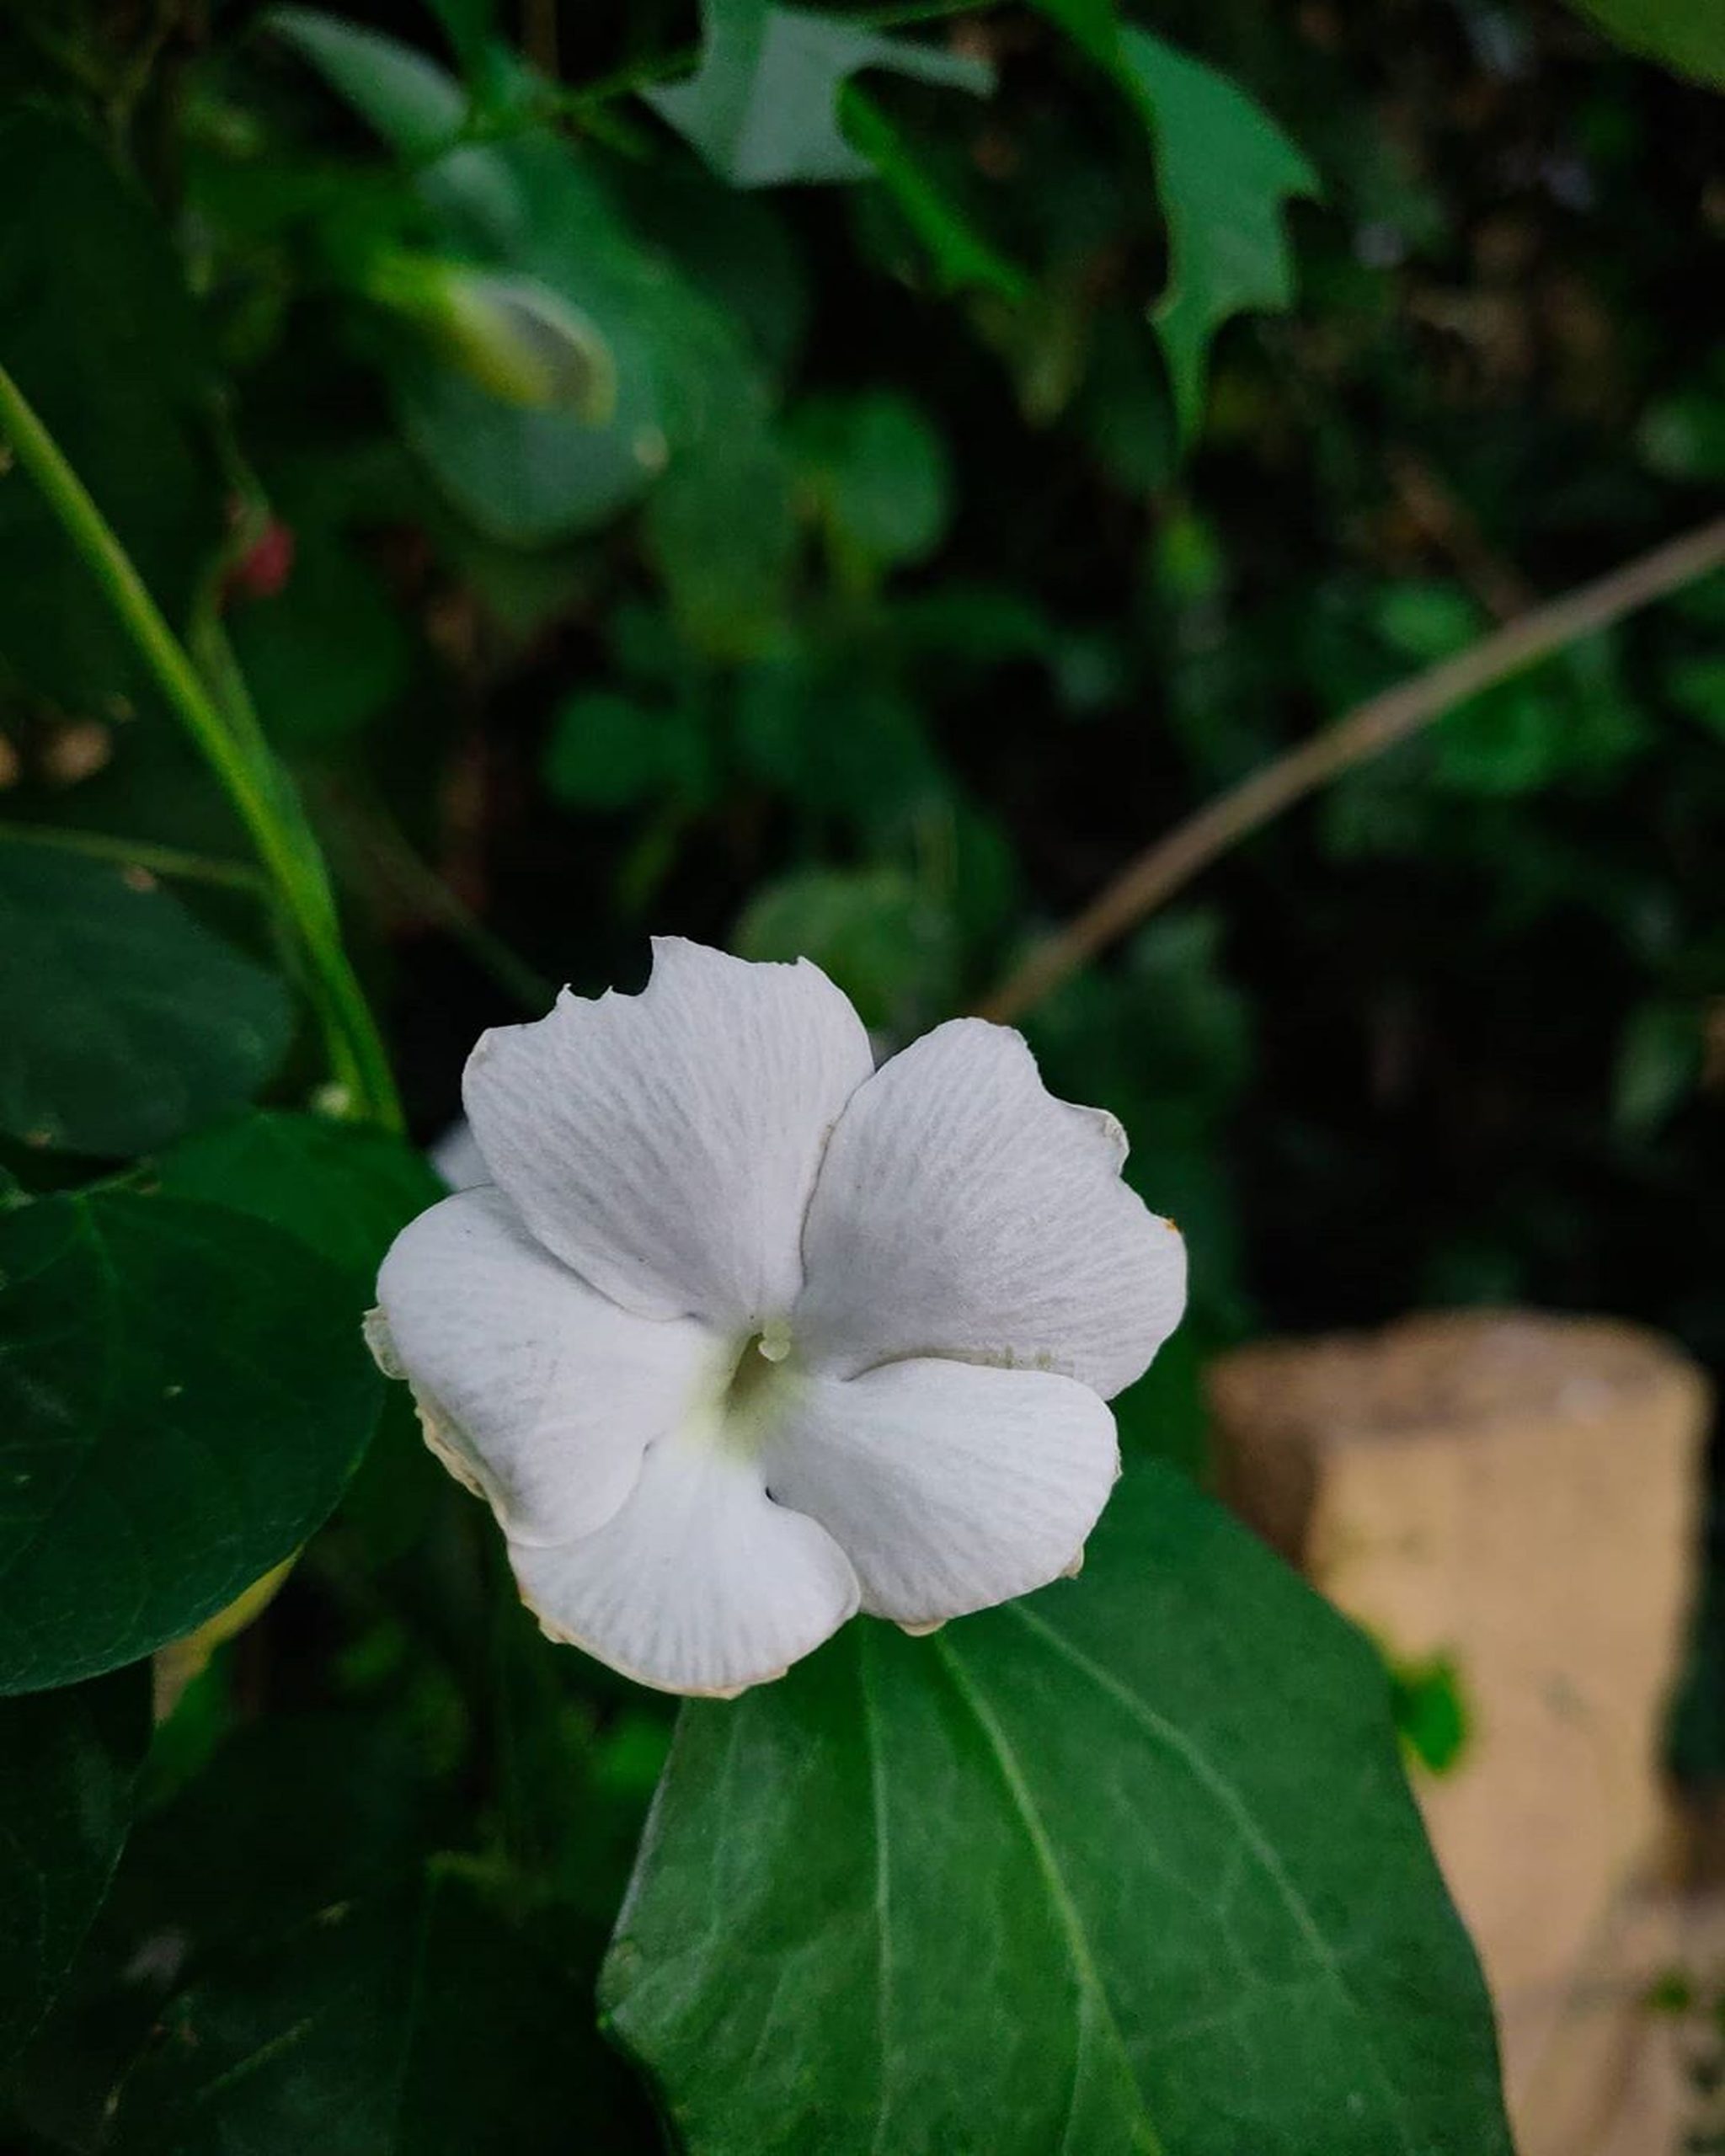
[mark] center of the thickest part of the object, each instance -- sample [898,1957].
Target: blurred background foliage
[620,528]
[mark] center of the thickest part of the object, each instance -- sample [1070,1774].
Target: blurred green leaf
[1682,437]
[1688,36]
[1571,715]
[469,24]
[415,105]
[97,327]
[1128,1863]
[1093,25]
[183,1392]
[328,653]
[762,110]
[876,932]
[608,752]
[1225,171]
[1431,1711]
[877,474]
[429,2020]
[66,1763]
[719,526]
[830,734]
[1698,685]
[126,1021]
[1660,1056]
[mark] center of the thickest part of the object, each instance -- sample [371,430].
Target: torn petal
[665,1145]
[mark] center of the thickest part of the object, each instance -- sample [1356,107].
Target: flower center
[758,1387]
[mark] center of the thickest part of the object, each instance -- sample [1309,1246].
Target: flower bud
[511,334]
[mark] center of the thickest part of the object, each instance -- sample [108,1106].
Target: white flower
[747,1335]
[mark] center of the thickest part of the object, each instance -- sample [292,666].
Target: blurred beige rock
[1520,1493]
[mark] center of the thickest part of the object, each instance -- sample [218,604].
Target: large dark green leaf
[123,1020]
[183,1392]
[294,1813]
[763,110]
[66,1762]
[1128,1867]
[427,2022]
[343,1189]
[96,325]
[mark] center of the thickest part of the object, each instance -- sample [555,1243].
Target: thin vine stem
[1172,861]
[259,789]
[173,862]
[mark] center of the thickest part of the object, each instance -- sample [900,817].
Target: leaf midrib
[1084,1966]
[1165,1733]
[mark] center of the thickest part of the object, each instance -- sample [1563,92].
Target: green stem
[256,785]
[170,861]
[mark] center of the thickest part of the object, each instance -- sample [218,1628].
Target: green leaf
[66,1763]
[1697,686]
[415,105]
[293,1813]
[1660,1059]
[97,325]
[1688,36]
[123,1020]
[1225,170]
[608,752]
[763,109]
[1432,1714]
[429,2020]
[328,653]
[1130,1865]
[183,1392]
[1091,25]
[469,24]
[343,1190]
[889,944]
[720,528]
[876,472]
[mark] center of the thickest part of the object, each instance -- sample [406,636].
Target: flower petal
[532,1388]
[701,1583]
[665,1145]
[961,1210]
[950,1486]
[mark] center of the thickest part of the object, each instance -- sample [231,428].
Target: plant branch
[1379,723]
[253,782]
